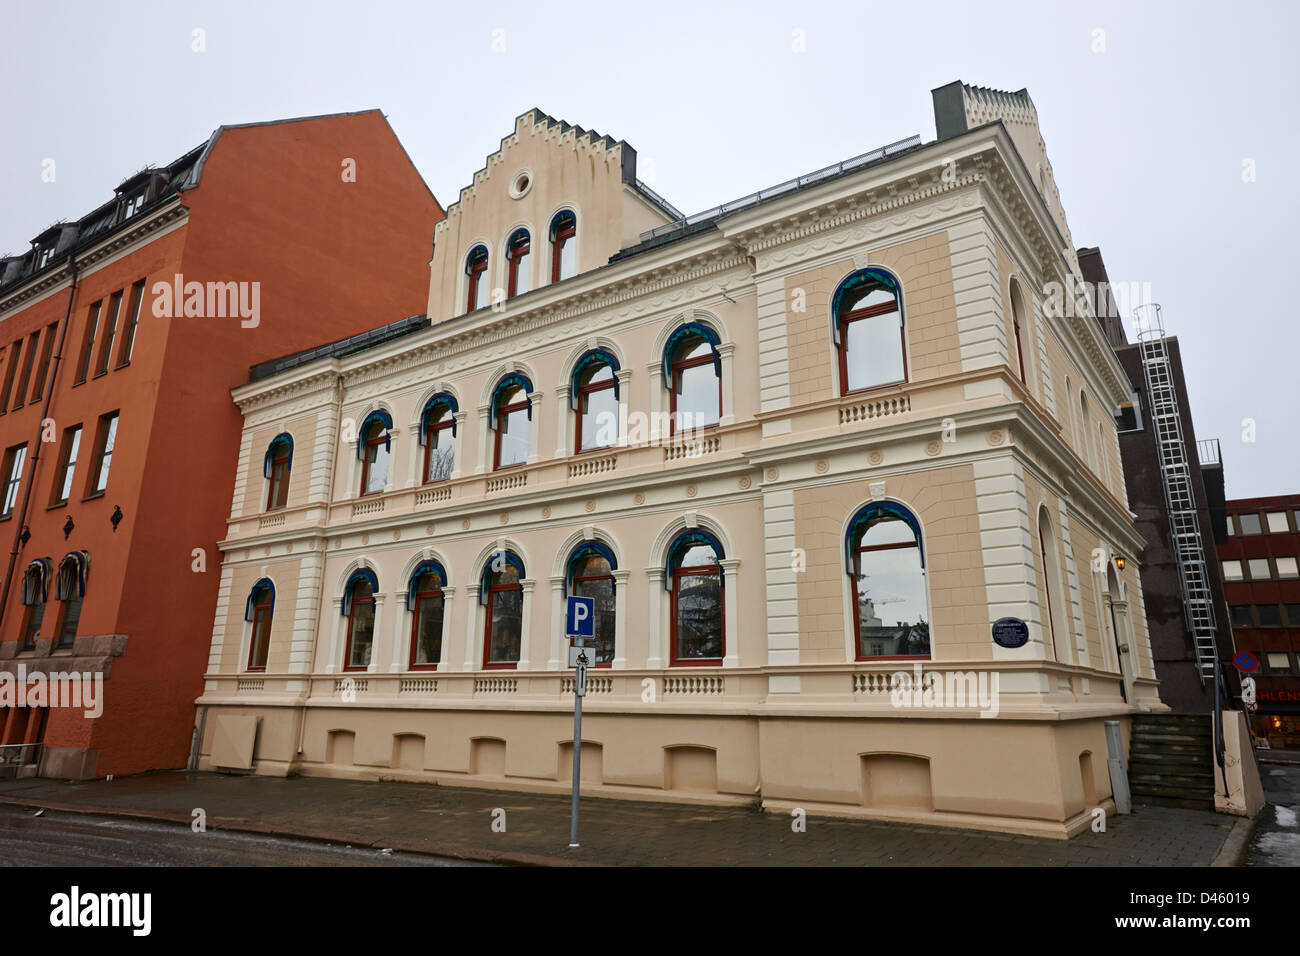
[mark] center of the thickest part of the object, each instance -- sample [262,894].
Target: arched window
[590,573]
[424,599]
[1017,311]
[564,232]
[501,592]
[594,397]
[511,418]
[36,588]
[1086,432]
[359,607]
[258,612]
[374,446]
[438,435]
[276,467]
[867,311]
[693,373]
[70,589]
[1051,579]
[885,562]
[517,250]
[694,576]
[476,264]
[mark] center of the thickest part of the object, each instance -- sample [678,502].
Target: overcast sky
[1150,113]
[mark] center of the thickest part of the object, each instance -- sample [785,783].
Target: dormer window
[476,264]
[564,237]
[44,255]
[131,205]
[517,250]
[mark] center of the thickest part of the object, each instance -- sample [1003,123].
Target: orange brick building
[116,426]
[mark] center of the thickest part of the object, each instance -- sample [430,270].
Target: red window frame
[477,273]
[869,312]
[578,579]
[447,425]
[696,571]
[262,611]
[557,247]
[502,412]
[521,248]
[380,438]
[421,596]
[281,483]
[353,604]
[858,550]
[493,591]
[590,389]
[681,365]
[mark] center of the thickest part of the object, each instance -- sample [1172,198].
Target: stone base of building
[1042,776]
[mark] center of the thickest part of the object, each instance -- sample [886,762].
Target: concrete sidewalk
[458,823]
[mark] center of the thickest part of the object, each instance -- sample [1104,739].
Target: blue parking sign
[580,617]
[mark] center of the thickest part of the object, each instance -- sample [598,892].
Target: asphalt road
[71,839]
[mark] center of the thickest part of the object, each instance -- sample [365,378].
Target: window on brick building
[1258,568]
[1249,523]
[1286,567]
[15,458]
[1277,522]
[1232,571]
[105,441]
[1241,616]
[1269,615]
[70,589]
[69,449]
[36,589]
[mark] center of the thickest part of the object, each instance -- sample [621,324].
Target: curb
[441,851]
[1233,851]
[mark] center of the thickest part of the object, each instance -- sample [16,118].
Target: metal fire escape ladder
[1180,500]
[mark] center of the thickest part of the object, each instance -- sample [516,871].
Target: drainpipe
[21,523]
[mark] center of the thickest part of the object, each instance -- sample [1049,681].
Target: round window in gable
[520,185]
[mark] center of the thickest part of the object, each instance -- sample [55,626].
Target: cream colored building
[903,448]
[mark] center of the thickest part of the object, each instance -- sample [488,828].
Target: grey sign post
[579,624]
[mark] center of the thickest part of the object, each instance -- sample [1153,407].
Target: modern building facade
[794,446]
[1185,684]
[1259,562]
[122,335]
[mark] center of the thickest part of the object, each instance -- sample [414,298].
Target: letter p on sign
[580,617]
